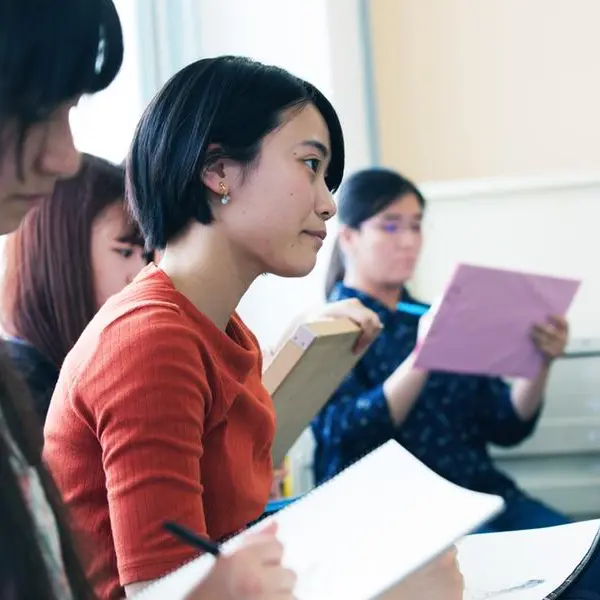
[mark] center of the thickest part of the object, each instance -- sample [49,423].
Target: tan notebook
[304,373]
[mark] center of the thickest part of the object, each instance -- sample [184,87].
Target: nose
[133,272]
[407,239]
[59,156]
[326,207]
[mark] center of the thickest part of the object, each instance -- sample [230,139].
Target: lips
[318,233]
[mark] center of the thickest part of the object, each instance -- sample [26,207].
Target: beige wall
[494,88]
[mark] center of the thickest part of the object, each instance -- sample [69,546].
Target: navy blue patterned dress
[449,428]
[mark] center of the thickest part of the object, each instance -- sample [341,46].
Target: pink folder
[483,324]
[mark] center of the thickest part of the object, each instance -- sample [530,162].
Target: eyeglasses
[395,227]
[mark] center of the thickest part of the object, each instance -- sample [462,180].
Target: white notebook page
[359,534]
[523,565]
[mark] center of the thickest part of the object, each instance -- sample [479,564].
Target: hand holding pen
[253,572]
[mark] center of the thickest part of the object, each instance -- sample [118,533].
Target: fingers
[556,325]
[440,579]
[280,474]
[252,572]
[559,322]
[286,581]
[276,583]
[264,576]
[268,530]
[551,338]
[447,560]
[264,546]
[353,309]
[267,551]
[369,322]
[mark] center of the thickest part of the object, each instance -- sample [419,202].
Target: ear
[347,237]
[222,174]
[214,178]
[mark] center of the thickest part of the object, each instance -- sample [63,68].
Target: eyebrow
[397,217]
[131,237]
[322,148]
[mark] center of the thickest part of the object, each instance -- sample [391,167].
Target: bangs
[51,52]
[335,172]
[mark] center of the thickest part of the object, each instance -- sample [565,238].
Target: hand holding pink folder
[483,324]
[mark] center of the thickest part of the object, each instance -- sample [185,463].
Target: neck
[388,295]
[204,267]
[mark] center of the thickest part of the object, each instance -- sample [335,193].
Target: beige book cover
[304,373]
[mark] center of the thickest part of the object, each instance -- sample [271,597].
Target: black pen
[192,538]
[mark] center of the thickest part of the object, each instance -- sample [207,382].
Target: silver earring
[225,199]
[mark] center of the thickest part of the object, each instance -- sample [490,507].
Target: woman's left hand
[353,309]
[551,338]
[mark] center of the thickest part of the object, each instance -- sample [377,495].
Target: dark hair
[362,196]
[48,298]
[231,102]
[51,52]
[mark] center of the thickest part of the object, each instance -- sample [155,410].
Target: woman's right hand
[354,310]
[441,579]
[253,572]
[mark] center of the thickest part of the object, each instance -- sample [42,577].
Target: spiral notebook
[363,532]
[537,564]
[304,373]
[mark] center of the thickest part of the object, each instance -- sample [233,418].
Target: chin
[294,269]
[10,223]
[398,280]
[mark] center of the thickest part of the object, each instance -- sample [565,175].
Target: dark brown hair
[48,295]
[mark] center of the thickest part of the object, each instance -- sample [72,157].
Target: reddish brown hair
[48,295]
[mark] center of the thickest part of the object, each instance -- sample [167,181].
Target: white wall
[543,225]
[103,124]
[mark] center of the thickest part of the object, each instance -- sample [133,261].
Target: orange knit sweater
[158,415]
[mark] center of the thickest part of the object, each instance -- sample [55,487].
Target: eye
[124,252]
[390,227]
[416,227]
[312,164]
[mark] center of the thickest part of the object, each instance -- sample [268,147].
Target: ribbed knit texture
[157,415]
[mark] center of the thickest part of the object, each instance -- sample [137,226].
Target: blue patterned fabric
[449,428]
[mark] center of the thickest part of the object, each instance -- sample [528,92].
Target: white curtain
[168,39]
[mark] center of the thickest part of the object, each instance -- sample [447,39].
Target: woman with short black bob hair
[160,406]
[214,113]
